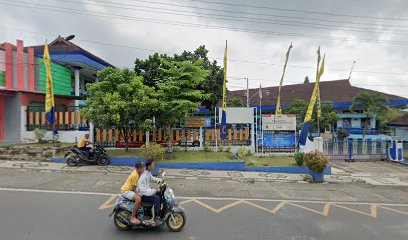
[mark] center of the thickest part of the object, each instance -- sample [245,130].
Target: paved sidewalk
[373,173]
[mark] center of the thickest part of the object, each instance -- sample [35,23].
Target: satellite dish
[70,37]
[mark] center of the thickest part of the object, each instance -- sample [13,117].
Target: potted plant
[316,162]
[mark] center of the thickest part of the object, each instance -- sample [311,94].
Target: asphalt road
[57,215]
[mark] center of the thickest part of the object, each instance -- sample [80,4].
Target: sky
[373,33]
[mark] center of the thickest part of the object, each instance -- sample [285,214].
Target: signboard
[279,123]
[195,122]
[279,140]
[237,115]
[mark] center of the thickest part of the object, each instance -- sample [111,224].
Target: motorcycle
[171,213]
[97,155]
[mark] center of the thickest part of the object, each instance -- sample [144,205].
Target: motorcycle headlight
[169,195]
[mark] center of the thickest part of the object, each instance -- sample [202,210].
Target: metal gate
[356,149]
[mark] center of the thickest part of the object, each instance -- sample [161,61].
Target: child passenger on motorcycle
[128,190]
[149,194]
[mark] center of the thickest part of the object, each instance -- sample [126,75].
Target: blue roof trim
[77,56]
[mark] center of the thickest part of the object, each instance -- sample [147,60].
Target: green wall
[61,78]
[2,79]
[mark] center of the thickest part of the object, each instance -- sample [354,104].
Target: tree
[151,71]
[370,104]
[306,80]
[178,93]
[328,117]
[235,102]
[120,101]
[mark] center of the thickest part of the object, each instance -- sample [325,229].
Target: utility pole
[351,70]
[247,92]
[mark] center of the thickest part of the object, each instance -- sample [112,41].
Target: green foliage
[316,161]
[299,158]
[306,80]
[120,101]
[178,95]
[369,103]
[39,134]
[328,116]
[235,102]
[243,152]
[342,134]
[153,152]
[207,147]
[152,72]
[388,115]
[228,148]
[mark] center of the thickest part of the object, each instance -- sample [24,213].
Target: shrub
[342,134]
[243,152]
[228,148]
[153,152]
[299,158]
[39,134]
[221,148]
[207,147]
[316,161]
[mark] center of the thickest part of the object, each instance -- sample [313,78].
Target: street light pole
[247,92]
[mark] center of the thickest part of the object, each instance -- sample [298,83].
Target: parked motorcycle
[171,213]
[97,155]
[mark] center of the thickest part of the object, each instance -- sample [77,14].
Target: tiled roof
[400,121]
[335,91]
[60,44]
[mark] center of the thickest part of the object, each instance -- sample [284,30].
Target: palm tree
[371,104]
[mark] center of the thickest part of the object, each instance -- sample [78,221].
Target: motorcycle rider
[128,190]
[149,194]
[82,144]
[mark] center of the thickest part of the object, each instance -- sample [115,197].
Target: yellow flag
[278,111]
[319,108]
[49,89]
[316,91]
[224,88]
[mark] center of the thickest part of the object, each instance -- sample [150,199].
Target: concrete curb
[217,166]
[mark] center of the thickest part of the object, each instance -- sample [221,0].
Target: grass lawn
[50,144]
[253,161]
[180,157]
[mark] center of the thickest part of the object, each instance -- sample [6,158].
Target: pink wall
[8,49]
[31,72]
[2,117]
[20,65]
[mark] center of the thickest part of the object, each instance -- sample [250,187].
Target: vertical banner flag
[278,111]
[49,90]
[223,133]
[308,117]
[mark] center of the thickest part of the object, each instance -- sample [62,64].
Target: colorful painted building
[22,88]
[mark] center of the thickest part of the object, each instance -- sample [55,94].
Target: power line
[270,15]
[238,18]
[299,11]
[215,27]
[232,60]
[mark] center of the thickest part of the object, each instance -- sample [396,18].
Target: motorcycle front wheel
[176,221]
[72,161]
[124,215]
[103,160]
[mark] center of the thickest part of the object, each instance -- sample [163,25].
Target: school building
[22,88]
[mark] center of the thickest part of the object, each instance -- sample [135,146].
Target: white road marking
[203,198]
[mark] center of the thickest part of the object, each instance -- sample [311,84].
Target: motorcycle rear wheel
[176,221]
[121,213]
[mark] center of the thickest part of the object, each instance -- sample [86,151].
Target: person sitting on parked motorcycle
[128,190]
[82,145]
[149,194]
